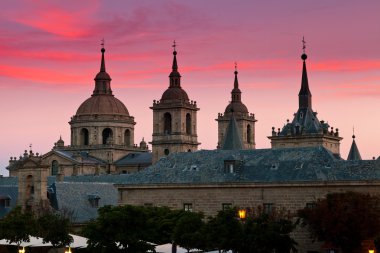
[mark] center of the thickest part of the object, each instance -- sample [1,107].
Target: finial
[174,47]
[353,132]
[102,44]
[303,56]
[236,68]
[30,147]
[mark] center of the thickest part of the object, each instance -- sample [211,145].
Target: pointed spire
[102,79]
[232,140]
[175,77]
[236,93]
[304,96]
[354,154]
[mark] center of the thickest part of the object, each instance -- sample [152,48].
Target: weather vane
[303,44]
[235,66]
[174,45]
[102,44]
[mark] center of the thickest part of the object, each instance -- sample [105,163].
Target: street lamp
[242,214]
[21,250]
[68,251]
[371,251]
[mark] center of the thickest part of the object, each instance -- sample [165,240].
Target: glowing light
[68,251]
[242,214]
[21,250]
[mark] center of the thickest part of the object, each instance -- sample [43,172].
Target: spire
[236,93]
[102,79]
[304,96]
[232,140]
[175,77]
[354,153]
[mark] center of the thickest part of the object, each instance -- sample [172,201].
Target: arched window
[29,191]
[188,123]
[166,151]
[167,123]
[84,137]
[107,136]
[249,133]
[127,137]
[54,167]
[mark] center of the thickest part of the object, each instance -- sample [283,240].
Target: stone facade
[174,119]
[245,120]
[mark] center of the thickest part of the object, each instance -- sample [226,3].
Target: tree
[54,228]
[119,228]
[267,233]
[343,219]
[17,226]
[224,231]
[188,231]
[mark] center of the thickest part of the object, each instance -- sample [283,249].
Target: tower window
[127,137]
[107,136]
[249,133]
[84,137]
[54,167]
[188,123]
[29,187]
[167,123]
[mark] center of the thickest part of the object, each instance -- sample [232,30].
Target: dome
[236,107]
[102,104]
[175,93]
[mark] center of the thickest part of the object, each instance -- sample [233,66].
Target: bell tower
[174,118]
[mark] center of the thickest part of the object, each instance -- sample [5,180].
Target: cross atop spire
[174,46]
[175,77]
[303,44]
[235,66]
[102,44]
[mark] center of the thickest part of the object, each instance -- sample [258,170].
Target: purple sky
[51,53]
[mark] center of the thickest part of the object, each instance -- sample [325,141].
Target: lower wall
[209,199]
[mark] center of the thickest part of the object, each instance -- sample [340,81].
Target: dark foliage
[343,219]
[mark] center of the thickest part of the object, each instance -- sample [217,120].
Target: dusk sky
[51,53]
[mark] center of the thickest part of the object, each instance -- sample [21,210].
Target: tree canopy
[343,219]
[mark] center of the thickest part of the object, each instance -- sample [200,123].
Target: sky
[50,53]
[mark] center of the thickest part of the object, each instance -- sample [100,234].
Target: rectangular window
[5,202]
[311,205]
[94,202]
[268,207]
[229,167]
[188,207]
[226,206]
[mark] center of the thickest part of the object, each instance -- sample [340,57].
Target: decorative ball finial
[236,72]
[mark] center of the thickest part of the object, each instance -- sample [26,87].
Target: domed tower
[245,121]
[174,119]
[102,125]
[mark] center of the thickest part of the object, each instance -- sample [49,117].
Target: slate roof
[8,188]
[354,153]
[75,198]
[232,140]
[75,156]
[135,158]
[282,165]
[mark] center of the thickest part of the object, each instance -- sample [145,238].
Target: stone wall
[209,199]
